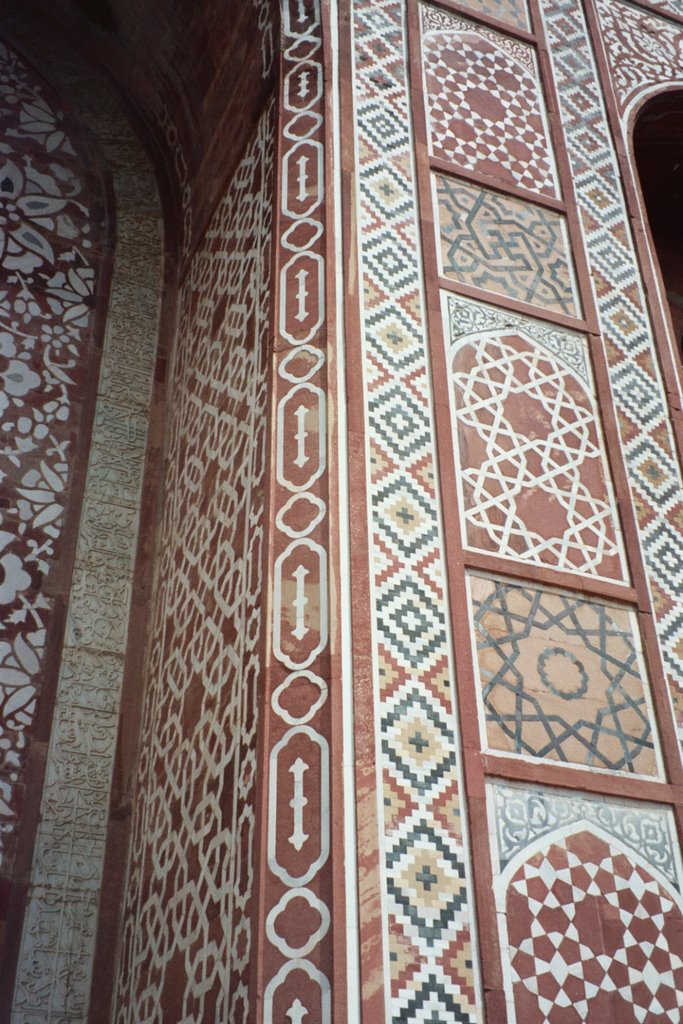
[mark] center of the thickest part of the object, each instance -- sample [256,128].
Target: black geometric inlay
[603,705]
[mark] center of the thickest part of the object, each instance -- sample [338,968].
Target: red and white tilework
[533,473]
[593,937]
[485,108]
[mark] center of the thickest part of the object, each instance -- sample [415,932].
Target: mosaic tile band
[297,965]
[428,941]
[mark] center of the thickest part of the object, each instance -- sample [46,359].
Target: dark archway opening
[658,147]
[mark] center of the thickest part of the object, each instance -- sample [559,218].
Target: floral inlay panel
[532,472]
[52,233]
[642,50]
[562,678]
[505,246]
[485,110]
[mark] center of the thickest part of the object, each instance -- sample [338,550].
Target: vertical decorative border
[426,929]
[634,374]
[295,968]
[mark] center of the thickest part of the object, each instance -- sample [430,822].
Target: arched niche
[658,151]
[86,338]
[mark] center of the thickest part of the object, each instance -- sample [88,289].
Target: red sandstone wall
[187,939]
[195,76]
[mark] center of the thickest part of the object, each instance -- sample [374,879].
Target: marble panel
[532,471]
[589,907]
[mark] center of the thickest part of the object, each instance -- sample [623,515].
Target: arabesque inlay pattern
[187,937]
[428,905]
[52,238]
[642,50]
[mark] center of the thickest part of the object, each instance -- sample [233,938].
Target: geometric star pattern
[532,468]
[561,678]
[484,104]
[504,245]
[593,937]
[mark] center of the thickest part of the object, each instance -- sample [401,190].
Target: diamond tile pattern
[428,915]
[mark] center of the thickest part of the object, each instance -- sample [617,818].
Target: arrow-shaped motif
[301,294]
[303,84]
[301,435]
[302,163]
[300,602]
[297,803]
